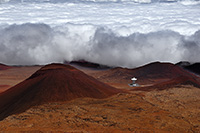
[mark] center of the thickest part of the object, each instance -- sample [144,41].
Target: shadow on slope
[52,83]
[195,67]
[4,67]
[153,75]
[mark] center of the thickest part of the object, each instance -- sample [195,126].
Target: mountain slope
[159,74]
[4,67]
[52,83]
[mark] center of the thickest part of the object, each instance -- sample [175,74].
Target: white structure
[133,84]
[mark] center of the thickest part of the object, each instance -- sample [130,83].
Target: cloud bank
[30,44]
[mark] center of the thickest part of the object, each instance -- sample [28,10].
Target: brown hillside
[4,67]
[52,83]
[195,68]
[175,82]
[152,70]
[161,74]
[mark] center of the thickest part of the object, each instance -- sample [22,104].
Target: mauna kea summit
[96,47]
[60,97]
[52,83]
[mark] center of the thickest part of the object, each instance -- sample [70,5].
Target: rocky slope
[52,83]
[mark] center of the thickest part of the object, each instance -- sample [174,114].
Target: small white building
[133,84]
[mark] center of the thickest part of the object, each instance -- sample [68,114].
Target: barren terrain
[173,109]
[15,75]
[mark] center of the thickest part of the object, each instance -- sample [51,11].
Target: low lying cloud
[30,44]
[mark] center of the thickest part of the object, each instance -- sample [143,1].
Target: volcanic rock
[195,68]
[153,70]
[4,67]
[52,83]
[163,75]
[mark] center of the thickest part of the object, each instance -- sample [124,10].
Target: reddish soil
[4,67]
[14,75]
[3,88]
[52,83]
[153,75]
[175,82]
[168,110]
[155,70]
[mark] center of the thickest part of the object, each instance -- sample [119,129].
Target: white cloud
[30,44]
